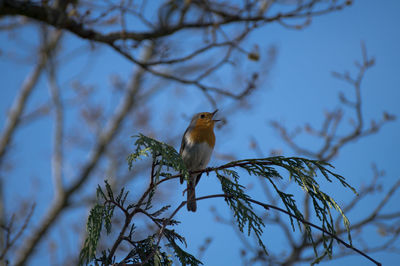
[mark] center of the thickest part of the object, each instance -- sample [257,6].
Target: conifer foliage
[167,165]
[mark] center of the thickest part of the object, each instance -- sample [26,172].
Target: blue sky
[298,89]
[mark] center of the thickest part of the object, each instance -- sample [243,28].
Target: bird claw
[208,170]
[183,193]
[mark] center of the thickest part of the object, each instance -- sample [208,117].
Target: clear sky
[302,87]
[299,88]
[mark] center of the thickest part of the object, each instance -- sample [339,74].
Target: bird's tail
[191,197]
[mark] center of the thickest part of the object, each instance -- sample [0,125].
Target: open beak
[213,114]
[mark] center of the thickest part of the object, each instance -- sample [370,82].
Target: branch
[62,20]
[57,157]
[375,212]
[20,101]
[77,26]
[302,172]
[127,103]
[332,142]
[11,241]
[213,169]
[267,207]
[182,80]
[373,217]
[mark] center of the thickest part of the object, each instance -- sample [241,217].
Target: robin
[197,145]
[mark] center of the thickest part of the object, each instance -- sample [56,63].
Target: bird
[197,145]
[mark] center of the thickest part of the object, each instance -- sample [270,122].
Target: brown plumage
[198,142]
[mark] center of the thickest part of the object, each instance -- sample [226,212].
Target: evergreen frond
[98,216]
[184,257]
[147,253]
[239,202]
[304,173]
[167,156]
[165,159]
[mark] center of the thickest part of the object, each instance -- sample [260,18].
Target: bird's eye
[202,116]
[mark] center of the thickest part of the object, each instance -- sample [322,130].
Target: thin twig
[11,241]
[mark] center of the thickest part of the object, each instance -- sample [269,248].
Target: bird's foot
[208,170]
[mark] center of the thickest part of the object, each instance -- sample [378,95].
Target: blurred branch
[16,112]
[17,109]
[128,101]
[182,80]
[60,19]
[332,143]
[219,14]
[58,138]
[374,215]
[20,101]
[10,241]
[212,16]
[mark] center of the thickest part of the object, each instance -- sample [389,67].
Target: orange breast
[203,133]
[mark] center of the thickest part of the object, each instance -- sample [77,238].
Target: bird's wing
[183,145]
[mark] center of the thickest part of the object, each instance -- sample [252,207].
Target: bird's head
[204,119]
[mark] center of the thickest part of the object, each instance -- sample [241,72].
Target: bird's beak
[213,114]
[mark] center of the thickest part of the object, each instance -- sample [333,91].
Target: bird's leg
[208,170]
